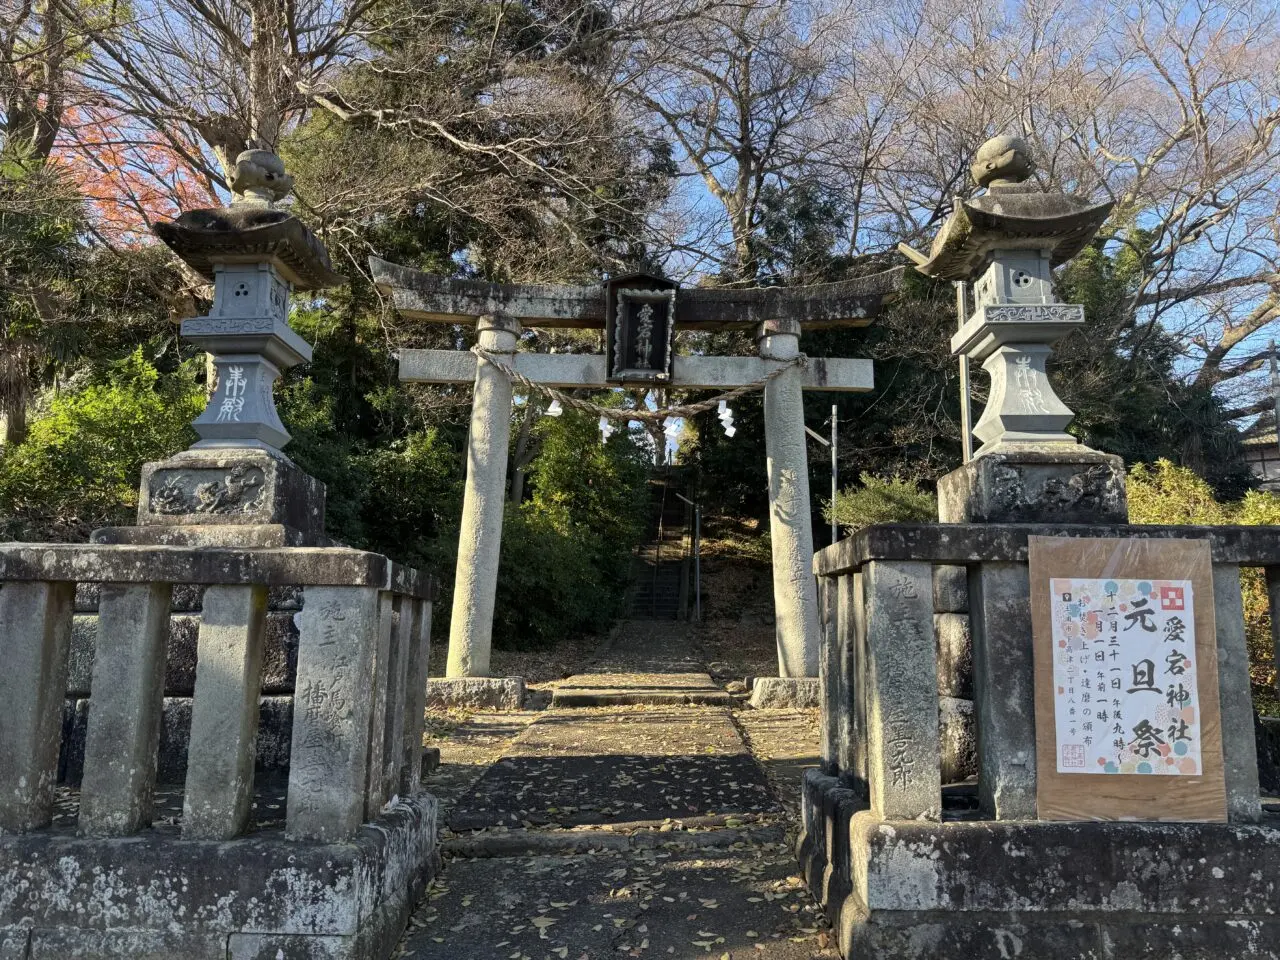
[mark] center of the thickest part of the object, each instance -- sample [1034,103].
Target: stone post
[329,756]
[794,592]
[415,700]
[119,780]
[851,733]
[904,767]
[1004,689]
[224,713]
[374,796]
[483,503]
[829,675]
[393,756]
[1235,697]
[35,631]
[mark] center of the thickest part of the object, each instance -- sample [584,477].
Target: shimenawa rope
[619,413]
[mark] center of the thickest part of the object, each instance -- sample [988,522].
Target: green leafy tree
[393,476]
[598,484]
[1165,493]
[81,463]
[67,305]
[40,257]
[566,550]
[1120,377]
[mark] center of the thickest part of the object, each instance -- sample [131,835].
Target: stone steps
[612,697]
[697,833]
[658,566]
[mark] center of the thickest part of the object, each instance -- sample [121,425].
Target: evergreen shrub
[80,464]
[1165,493]
[881,500]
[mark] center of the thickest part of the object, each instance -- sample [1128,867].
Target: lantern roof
[245,234]
[1012,215]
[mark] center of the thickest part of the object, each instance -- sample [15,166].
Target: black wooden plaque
[640,328]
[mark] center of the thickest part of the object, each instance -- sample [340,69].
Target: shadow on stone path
[623,831]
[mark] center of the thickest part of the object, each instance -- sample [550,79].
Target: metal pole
[697,563]
[835,474]
[657,554]
[966,414]
[1275,394]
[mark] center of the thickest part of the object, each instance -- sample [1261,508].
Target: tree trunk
[14,423]
[520,457]
[659,437]
[267,65]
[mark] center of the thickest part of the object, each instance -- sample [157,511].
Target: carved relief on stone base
[237,490]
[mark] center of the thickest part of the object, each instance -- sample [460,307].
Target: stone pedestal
[262,897]
[1107,891]
[1035,484]
[788,692]
[225,498]
[915,890]
[476,693]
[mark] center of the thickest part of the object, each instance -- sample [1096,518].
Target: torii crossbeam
[778,315]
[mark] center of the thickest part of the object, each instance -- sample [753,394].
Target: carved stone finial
[1002,161]
[260,179]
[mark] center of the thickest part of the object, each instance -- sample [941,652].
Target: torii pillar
[483,502]
[776,315]
[795,594]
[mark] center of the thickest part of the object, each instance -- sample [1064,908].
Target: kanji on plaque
[1124,677]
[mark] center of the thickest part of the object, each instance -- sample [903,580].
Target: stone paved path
[629,830]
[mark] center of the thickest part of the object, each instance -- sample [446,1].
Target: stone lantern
[235,486]
[1005,242]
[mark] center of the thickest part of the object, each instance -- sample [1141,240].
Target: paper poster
[1124,675]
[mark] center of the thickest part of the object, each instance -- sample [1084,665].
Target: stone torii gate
[640,315]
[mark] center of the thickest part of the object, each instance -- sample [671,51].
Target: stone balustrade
[887,597]
[364,638]
[927,787]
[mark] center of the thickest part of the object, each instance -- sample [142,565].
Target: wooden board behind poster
[1063,793]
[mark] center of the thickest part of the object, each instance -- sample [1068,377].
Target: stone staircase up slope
[660,567]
